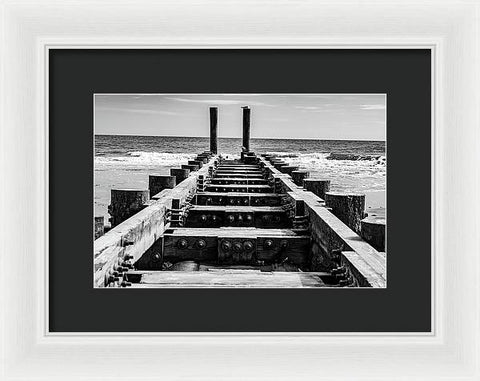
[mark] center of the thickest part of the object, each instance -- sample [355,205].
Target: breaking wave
[346,172]
[322,157]
[140,158]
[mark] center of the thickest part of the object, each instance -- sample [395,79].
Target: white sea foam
[344,174]
[140,158]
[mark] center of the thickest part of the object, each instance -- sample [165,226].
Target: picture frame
[450,29]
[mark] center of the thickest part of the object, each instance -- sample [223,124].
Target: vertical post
[213,129]
[373,231]
[157,183]
[349,208]
[299,176]
[246,128]
[99,226]
[180,174]
[125,203]
[318,187]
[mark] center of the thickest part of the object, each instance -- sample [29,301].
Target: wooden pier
[255,221]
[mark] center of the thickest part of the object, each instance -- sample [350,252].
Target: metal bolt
[283,244]
[201,244]
[203,218]
[231,218]
[182,244]
[226,246]
[248,245]
[268,243]
[237,246]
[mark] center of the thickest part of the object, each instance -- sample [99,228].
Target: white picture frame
[449,28]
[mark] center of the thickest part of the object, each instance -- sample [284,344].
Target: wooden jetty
[255,221]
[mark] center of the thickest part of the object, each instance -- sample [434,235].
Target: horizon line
[236,137]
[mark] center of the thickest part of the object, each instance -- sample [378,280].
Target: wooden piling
[213,129]
[246,128]
[157,183]
[318,187]
[125,203]
[349,208]
[373,231]
[299,176]
[180,174]
[99,226]
[196,162]
[191,167]
[288,169]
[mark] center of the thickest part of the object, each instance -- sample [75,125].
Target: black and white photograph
[240,190]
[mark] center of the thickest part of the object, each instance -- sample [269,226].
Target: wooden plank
[238,166]
[178,248]
[237,198]
[235,208]
[268,246]
[239,188]
[238,180]
[230,279]
[241,194]
[259,216]
[238,170]
[241,175]
[225,231]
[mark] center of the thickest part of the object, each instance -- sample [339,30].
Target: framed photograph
[240,190]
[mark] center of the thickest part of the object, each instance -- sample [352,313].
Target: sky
[289,116]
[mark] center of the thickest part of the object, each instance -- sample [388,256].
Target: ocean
[352,166]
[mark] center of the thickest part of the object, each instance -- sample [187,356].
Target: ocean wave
[355,157]
[345,175]
[141,158]
[323,158]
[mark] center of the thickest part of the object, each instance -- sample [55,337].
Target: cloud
[220,101]
[372,107]
[136,110]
